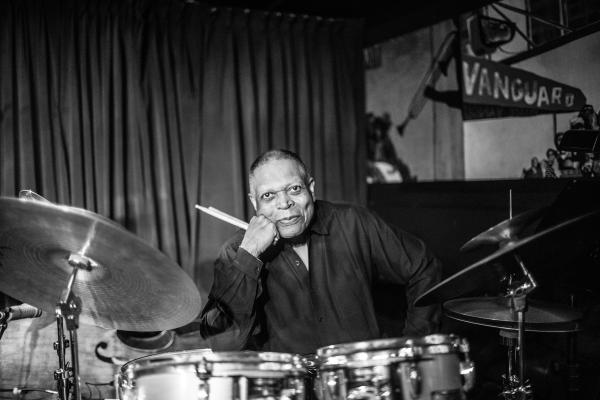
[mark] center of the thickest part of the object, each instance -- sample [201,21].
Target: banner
[512,91]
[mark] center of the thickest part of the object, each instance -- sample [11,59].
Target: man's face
[279,193]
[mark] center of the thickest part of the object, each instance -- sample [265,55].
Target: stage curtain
[138,110]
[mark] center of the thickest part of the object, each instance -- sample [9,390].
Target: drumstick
[223,216]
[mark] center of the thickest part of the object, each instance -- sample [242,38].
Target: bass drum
[432,367]
[206,375]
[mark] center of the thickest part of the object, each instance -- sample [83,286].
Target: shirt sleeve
[228,318]
[401,258]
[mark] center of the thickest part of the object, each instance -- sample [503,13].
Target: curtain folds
[137,110]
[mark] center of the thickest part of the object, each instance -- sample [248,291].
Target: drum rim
[292,362]
[436,341]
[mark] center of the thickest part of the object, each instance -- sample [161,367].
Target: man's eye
[267,196]
[296,189]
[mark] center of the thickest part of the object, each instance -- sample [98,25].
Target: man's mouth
[289,220]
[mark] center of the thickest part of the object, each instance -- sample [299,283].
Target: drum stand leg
[3,326]
[509,339]
[67,312]
[572,367]
[516,386]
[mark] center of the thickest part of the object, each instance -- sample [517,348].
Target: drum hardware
[42,245]
[415,380]
[68,310]
[434,366]
[3,325]
[508,230]
[518,388]
[573,367]
[466,366]
[512,310]
[37,240]
[202,374]
[489,269]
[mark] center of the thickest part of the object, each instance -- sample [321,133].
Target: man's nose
[283,200]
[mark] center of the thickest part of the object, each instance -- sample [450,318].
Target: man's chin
[290,232]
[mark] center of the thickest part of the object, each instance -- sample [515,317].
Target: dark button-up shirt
[297,310]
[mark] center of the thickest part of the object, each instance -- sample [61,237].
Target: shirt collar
[321,218]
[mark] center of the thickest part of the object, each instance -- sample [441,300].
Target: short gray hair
[278,154]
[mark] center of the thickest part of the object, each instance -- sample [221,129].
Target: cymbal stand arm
[530,284]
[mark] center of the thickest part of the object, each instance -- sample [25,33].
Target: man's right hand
[261,233]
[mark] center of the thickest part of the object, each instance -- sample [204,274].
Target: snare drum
[206,375]
[432,367]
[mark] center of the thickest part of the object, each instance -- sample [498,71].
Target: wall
[486,149]
[390,87]
[429,143]
[501,148]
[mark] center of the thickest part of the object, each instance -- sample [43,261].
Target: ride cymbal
[127,284]
[496,312]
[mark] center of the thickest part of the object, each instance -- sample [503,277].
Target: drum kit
[80,266]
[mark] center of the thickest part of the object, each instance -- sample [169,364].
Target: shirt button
[320,319]
[297,263]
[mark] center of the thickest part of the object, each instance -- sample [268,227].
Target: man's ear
[252,200]
[311,187]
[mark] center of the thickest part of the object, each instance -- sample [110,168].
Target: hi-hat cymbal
[495,312]
[485,270]
[506,231]
[129,285]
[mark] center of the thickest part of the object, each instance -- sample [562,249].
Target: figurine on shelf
[383,163]
[550,164]
[534,171]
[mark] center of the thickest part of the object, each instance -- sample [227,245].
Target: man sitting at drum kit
[301,276]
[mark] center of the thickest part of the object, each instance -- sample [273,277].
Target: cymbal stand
[516,387]
[67,313]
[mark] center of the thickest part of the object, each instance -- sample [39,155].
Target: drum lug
[297,390]
[467,371]
[203,375]
[467,367]
[363,393]
[414,378]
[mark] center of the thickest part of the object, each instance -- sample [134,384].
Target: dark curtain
[138,110]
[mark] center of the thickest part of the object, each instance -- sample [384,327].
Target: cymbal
[506,231]
[129,285]
[486,270]
[495,312]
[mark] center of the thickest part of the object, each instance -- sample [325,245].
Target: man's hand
[261,233]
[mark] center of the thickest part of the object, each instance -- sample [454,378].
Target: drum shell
[392,369]
[206,375]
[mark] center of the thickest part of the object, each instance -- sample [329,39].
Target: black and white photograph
[285,200]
